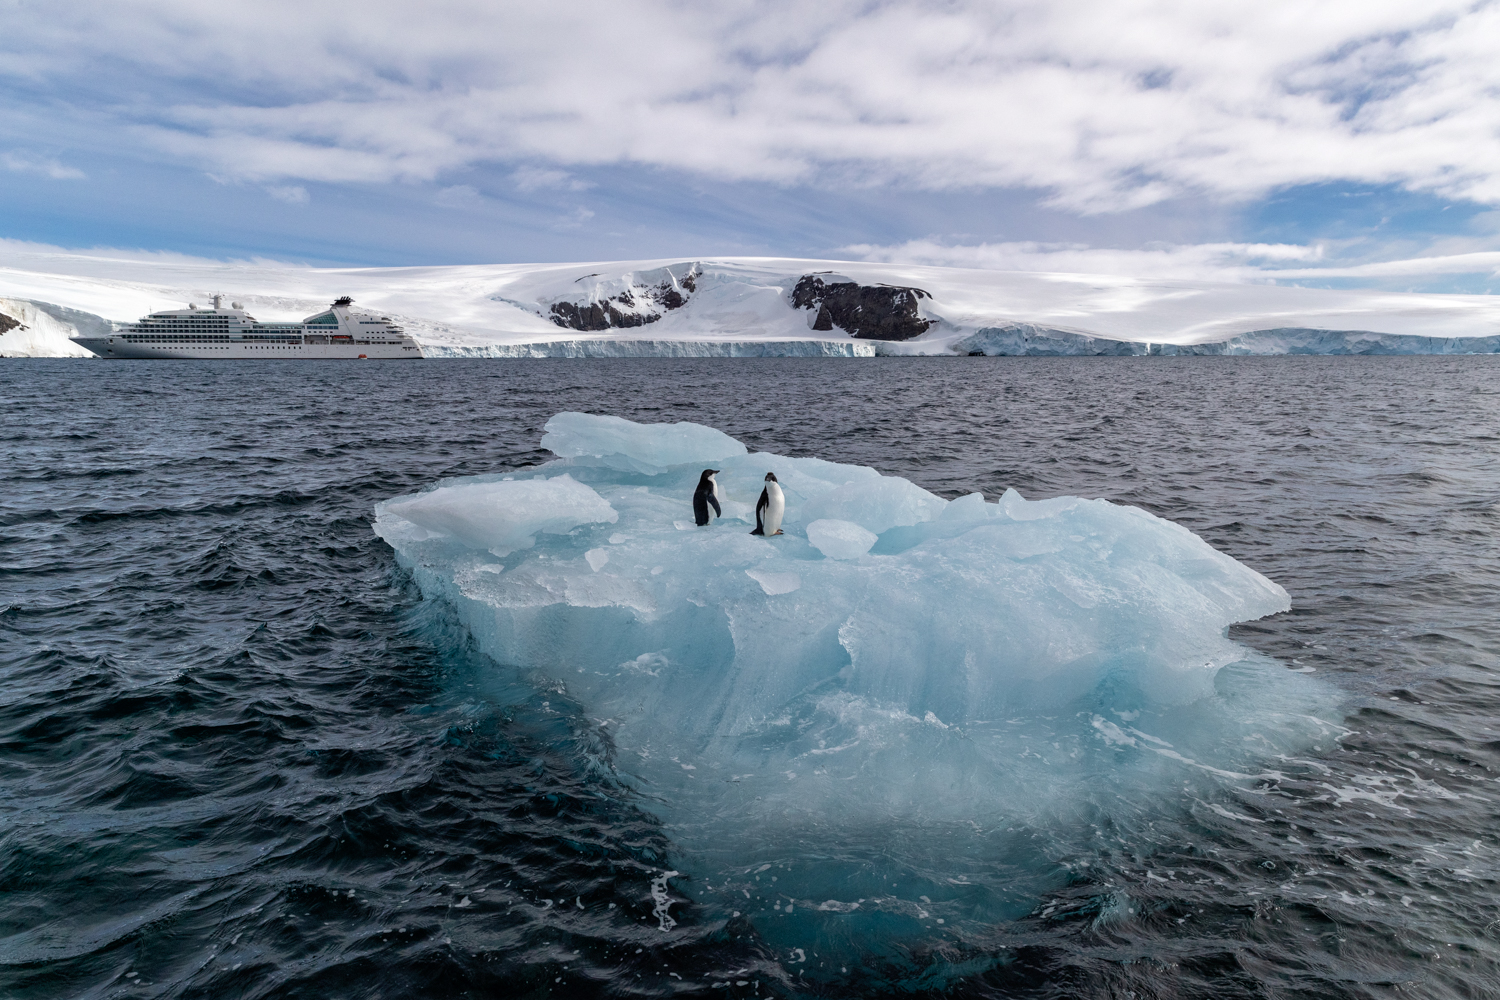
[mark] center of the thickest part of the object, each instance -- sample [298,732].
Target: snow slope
[743,305]
[31,331]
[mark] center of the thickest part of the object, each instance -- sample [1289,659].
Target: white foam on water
[661,901]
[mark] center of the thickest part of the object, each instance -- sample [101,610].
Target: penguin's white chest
[717,495]
[775,508]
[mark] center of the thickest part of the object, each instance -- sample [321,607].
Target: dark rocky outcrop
[598,315]
[626,309]
[8,323]
[670,298]
[869,312]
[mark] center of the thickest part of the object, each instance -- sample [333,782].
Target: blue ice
[894,662]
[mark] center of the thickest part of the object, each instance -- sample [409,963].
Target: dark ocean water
[241,757]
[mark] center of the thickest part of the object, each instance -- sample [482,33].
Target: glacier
[897,684]
[1030,340]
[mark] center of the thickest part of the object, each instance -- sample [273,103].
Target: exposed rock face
[636,305]
[869,312]
[599,315]
[8,323]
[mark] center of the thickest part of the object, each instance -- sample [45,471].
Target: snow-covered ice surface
[898,680]
[742,306]
[30,331]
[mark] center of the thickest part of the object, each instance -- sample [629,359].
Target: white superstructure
[217,332]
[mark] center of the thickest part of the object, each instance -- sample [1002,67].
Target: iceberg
[895,662]
[964,608]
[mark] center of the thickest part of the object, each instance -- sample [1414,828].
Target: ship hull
[119,348]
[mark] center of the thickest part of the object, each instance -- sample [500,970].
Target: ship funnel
[218,299]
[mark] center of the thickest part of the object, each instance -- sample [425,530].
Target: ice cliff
[1027,340]
[40,330]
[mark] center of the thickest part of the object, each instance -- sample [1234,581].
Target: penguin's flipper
[718,511]
[760,513]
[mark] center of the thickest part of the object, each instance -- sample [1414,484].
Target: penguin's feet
[780,532]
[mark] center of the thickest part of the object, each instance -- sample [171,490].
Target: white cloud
[22,164]
[1206,262]
[530,178]
[1104,104]
[292,194]
[460,196]
[574,219]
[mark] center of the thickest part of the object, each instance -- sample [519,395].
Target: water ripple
[240,756]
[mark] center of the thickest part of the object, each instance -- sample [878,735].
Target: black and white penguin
[770,508]
[707,493]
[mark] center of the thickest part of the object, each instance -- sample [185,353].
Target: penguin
[706,493]
[770,508]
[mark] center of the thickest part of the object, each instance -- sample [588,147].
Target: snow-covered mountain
[740,306]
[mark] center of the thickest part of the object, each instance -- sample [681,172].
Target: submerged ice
[893,659]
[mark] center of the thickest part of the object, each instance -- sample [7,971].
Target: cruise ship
[217,332]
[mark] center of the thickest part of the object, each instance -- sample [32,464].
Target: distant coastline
[756,307]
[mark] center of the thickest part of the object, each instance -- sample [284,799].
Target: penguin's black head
[706,473]
[771,478]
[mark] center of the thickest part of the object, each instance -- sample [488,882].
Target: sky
[1340,144]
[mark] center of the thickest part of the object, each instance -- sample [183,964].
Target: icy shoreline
[763,307]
